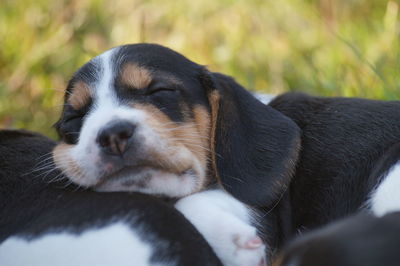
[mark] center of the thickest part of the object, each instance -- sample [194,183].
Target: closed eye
[157,86]
[154,90]
[68,129]
[71,114]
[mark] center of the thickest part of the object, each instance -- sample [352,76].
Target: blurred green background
[323,47]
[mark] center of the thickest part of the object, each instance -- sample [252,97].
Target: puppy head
[144,118]
[135,119]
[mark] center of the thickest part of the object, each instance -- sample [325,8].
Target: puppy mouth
[137,175]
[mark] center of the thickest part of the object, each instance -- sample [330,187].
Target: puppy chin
[154,182]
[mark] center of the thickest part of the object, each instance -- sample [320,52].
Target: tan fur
[213,100]
[80,95]
[134,76]
[61,158]
[277,261]
[169,78]
[203,122]
[191,135]
[160,123]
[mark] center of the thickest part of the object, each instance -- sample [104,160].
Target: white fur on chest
[116,244]
[386,197]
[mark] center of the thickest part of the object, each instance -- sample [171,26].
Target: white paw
[250,250]
[225,223]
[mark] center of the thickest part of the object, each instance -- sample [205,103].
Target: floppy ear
[255,146]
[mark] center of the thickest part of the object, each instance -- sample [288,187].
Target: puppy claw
[250,250]
[253,243]
[248,243]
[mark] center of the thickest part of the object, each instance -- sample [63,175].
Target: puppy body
[44,219]
[349,157]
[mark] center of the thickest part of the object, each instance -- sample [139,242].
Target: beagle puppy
[144,118]
[45,220]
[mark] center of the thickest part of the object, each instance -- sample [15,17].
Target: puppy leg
[226,225]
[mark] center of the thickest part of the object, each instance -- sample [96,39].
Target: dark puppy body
[34,205]
[348,147]
[362,240]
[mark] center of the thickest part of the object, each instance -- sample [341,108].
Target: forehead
[119,71]
[137,65]
[150,58]
[155,58]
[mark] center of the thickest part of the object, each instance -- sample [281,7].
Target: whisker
[50,164]
[67,184]
[41,167]
[276,203]
[46,154]
[236,178]
[56,178]
[44,160]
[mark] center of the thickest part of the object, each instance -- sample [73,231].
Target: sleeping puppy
[361,240]
[44,220]
[144,118]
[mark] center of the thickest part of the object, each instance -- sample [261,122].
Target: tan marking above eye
[80,95]
[134,76]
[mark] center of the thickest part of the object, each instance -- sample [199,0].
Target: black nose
[113,139]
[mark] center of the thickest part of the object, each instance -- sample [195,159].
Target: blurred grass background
[323,47]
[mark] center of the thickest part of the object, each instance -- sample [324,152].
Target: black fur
[32,206]
[362,240]
[256,146]
[348,145]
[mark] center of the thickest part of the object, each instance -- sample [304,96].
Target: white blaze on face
[84,164]
[105,109]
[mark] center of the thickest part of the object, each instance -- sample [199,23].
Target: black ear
[255,146]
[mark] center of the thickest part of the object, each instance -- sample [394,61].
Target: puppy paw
[225,223]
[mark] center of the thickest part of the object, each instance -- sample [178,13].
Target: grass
[325,47]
